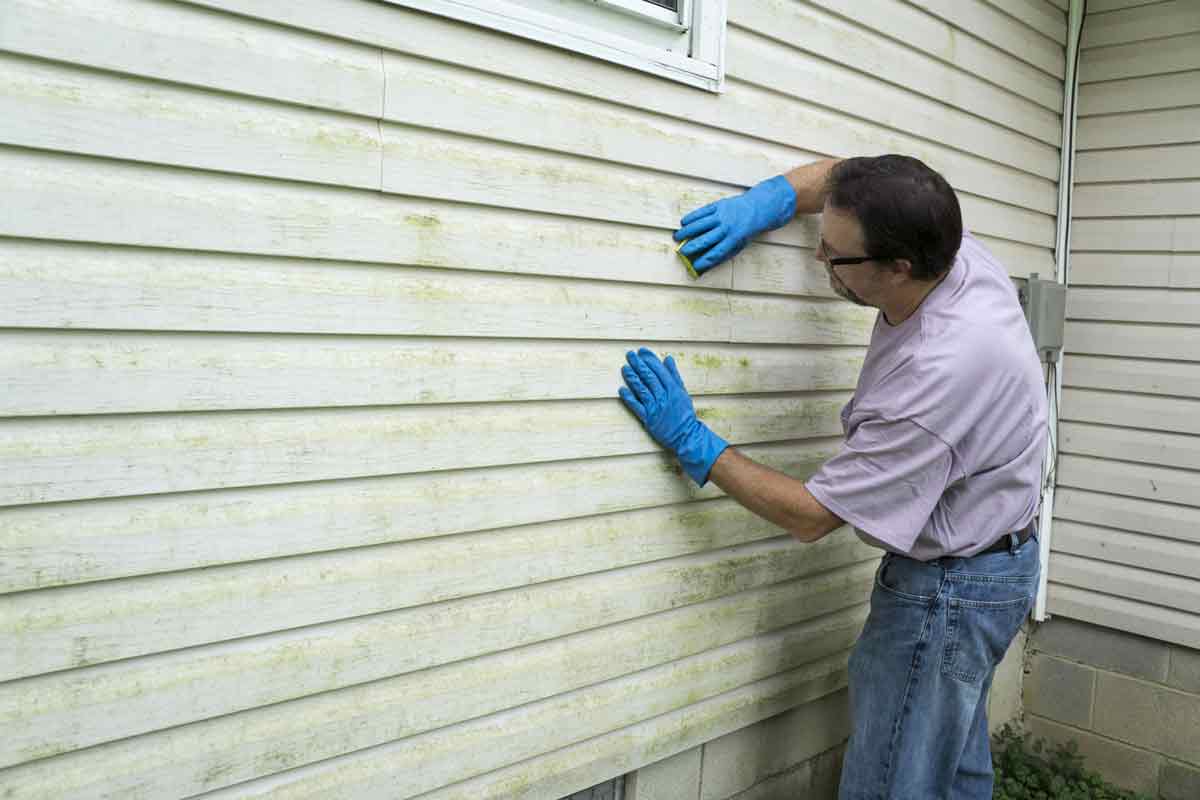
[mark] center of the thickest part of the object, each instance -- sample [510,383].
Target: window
[683,40]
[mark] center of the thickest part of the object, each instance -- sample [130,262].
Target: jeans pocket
[978,634]
[906,580]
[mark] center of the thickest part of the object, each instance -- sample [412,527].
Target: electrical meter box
[1045,305]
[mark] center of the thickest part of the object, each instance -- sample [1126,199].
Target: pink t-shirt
[946,431]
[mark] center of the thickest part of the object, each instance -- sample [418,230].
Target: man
[941,465]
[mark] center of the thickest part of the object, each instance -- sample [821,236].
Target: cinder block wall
[797,754]
[1132,704]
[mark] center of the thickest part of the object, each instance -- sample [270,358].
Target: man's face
[841,237]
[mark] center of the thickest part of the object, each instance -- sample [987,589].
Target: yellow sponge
[687,262]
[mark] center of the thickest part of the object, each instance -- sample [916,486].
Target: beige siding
[1126,553]
[313,482]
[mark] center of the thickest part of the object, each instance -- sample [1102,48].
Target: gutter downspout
[1062,262]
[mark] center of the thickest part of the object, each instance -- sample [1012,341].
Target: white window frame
[702,21]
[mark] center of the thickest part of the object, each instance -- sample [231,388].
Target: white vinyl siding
[313,479]
[1126,539]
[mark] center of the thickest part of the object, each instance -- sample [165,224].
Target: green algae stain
[425,221]
[327,138]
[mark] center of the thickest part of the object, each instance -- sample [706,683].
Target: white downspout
[1062,264]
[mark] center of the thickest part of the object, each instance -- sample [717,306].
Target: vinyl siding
[313,482]
[1127,554]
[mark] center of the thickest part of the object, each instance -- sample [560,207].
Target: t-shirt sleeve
[886,480]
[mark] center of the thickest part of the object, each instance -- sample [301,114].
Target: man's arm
[773,496]
[809,182]
[719,230]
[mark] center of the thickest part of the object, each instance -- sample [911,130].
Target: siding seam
[382,114]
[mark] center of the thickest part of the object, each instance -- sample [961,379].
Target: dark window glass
[672,5]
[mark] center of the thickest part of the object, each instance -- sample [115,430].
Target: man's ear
[902,268]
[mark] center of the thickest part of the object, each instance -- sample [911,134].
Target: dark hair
[906,210]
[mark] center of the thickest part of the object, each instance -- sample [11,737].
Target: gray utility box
[1045,305]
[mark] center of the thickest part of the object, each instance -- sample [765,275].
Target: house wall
[1126,540]
[313,482]
[1116,667]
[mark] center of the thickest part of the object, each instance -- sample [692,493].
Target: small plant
[1027,771]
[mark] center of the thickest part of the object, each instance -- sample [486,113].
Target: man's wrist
[775,203]
[699,451]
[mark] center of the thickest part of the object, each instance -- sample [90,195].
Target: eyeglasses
[847,261]
[841,261]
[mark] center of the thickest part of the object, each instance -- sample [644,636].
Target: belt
[1005,541]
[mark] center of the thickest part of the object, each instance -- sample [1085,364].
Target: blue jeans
[921,670]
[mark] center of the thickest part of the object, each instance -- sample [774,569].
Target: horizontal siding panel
[1098,6]
[1165,234]
[779,269]
[558,770]
[1151,447]
[1128,549]
[1160,20]
[1170,591]
[1134,341]
[227,750]
[1140,128]
[1172,306]
[1179,270]
[72,458]
[1136,411]
[762,318]
[183,44]
[186,292]
[128,288]
[1039,15]
[1128,479]
[1172,162]
[1141,516]
[55,627]
[1176,54]
[55,107]
[184,209]
[100,372]
[228,293]
[1044,49]
[1156,622]
[742,109]
[1130,375]
[188,210]
[58,712]
[179,208]
[849,44]
[465,101]
[1140,94]
[1138,199]
[772,65]
[1020,259]
[935,37]
[55,544]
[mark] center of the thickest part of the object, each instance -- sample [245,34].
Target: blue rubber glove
[656,395]
[719,231]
